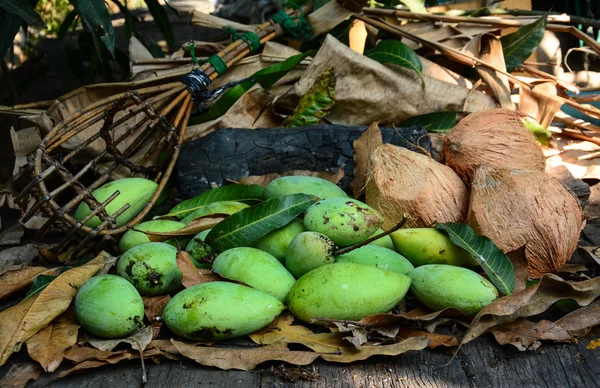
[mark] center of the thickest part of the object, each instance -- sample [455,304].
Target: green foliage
[265,77]
[24,10]
[541,133]
[239,193]
[248,225]
[315,103]
[397,53]
[437,122]
[519,45]
[494,262]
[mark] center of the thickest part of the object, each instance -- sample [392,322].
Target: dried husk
[402,181]
[495,138]
[517,208]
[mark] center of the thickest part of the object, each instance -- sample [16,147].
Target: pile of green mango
[318,265]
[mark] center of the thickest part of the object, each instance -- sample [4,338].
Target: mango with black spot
[219,310]
[151,268]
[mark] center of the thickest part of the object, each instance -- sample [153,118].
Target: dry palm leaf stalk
[152,120]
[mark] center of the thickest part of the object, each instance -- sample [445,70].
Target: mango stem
[350,248]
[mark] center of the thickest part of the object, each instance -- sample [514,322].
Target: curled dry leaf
[20,322]
[20,374]
[532,301]
[13,281]
[192,275]
[331,346]
[243,359]
[517,208]
[48,345]
[405,182]
[525,335]
[264,180]
[79,353]
[494,138]
[363,147]
[153,308]
[435,340]
[519,262]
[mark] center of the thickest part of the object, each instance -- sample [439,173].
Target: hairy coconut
[517,208]
[495,138]
[403,181]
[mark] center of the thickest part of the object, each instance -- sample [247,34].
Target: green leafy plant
[315,103]
[494,262]
[519,45]
[436,122]
[396,53]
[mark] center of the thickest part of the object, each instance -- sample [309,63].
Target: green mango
[378,257]
[199,251]
[385,241]
[219,310]
[256,268]
[310,185]
[151,268]
[345,221]
[131,238]
[439,286]
[277,242]
[221,207]
[307,251]
[109,306]
[136,192]
[346,291]
[430,246]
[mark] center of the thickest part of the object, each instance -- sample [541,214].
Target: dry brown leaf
[373,92]
[20,374]
[17,257]
[519,262]
[363,147]
[331,346]
[97,363]
[79,353]
[264,180]
[192,228]
[22,321]
[541,102]
[13,281]
[532,301]
[243,359]
[48,345]
[191,275]
[488,48]
[154,305]
[435,340]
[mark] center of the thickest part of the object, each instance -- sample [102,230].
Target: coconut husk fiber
[405,182]
[517,208]
[495,138]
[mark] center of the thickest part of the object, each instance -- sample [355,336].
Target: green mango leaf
[162,20]
[416,6]
[95,14]
[541,133]
[39,283]
[519,45]
[265,77]
[66,24]
[494,262]
[316,103]
[239,193]
[24,10]
[437,122]
[248,225]
[397,53]
[9,27]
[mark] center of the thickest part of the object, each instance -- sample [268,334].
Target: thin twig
[342,251]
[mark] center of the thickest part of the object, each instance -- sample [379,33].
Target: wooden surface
[482,363]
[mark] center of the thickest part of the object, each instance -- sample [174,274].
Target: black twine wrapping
[198,82]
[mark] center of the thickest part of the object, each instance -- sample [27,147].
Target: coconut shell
[517,208]
[495,138]
[405,182]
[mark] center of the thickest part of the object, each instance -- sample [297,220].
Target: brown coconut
[495,138]
[517,208]
[403,181]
